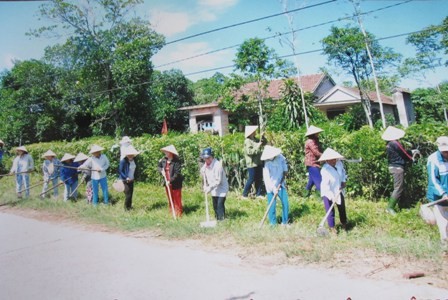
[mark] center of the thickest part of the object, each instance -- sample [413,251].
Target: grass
[370,230]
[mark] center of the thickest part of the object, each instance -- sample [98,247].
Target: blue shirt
[437,168]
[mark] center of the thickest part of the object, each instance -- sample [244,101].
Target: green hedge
[369,179]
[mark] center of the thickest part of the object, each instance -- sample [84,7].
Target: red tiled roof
[372,95]
[309,84]
[213,104]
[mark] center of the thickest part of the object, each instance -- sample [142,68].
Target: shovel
[269,206]
[167,184]
[60,183]
[32,186]
[321,230]
[207,223]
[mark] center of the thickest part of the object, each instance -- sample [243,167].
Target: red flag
[164,127]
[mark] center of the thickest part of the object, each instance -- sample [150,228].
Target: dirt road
[45,260]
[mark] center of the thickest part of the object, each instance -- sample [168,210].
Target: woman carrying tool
[22,165]
[126,173]
[51,173]
[333,182]
[86,176]
[171,169]
[252,153]
[69,175]
[274,174]
[215,182]
[313,152]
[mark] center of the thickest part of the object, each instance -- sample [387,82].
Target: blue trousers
[283,195]
[255,175]
[54,182]
[103,183]
[23,183]
[314,178]
[69,188]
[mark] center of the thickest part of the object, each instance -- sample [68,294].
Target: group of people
[265,164]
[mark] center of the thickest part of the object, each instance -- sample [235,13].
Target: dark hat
[207,152]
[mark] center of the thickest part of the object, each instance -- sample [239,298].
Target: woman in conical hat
[171,169]
[50,170]
[124,143]
[22,165]
[313,151]
[81,158]
[333,182]
[397,157]
[252,153]
[274,174]
[126,173]
[69,175]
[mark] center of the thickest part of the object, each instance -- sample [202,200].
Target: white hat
[270,152]
[80,157]
[248,130]
[130,150]
[2,142]
[313,130]
[442,143]
[125,140]
[330,154]
[67,156]
[392,134]
[49,153]
[22,148]
[95,148]
[170,149]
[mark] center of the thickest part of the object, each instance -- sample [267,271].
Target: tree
[209,90]
[110,55]
[345,48]
[255,58]
[428,101]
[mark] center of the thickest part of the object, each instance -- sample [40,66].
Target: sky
[179,19]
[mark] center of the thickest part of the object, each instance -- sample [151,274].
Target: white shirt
[101,163]
[273,173]
[216,178]
[332,179]
[132,167]
[22,163]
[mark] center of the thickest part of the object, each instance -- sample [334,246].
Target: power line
[247,22]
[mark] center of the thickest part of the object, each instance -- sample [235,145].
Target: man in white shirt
[22,165]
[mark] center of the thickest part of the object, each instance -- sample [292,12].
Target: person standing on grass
[313,151]
[86,175]
[22,166]
[126,173]
[274,175]
[252,154]
[333,182]
[124,143]
[50,170]
[215,182]
[437,167]
[98,163]
[397,157]
[69,175]
[170,168]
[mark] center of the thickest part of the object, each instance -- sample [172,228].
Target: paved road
[40,260]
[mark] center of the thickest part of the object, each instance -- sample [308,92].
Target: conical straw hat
[80,157]
[130,150]
[22,148]
[96,148]
[248,130]
[170,149]
[270,152]
[67,156]
[330,154]
[49,153]
[313,130]
[392,134]
[125,140]
[442,143]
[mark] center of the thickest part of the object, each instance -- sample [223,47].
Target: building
[207,118]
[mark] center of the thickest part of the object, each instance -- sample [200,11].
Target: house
[207,118]
[331,99]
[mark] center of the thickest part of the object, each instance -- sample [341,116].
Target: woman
[274,174]
[171,169]
[51,173]
[252,154]
[22,165]
[69,175]
[126,173]
[333,182]
[215,182]
[313,152]
[86,175]
[397,157]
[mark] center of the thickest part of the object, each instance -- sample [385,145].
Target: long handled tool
[167,185]
[32,186]
[321,230]
[269,206]
[47,190]
[76,168]
[76,188]
[427,214]
[12,174]
[207,223]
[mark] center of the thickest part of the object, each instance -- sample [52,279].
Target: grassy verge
[405,236]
